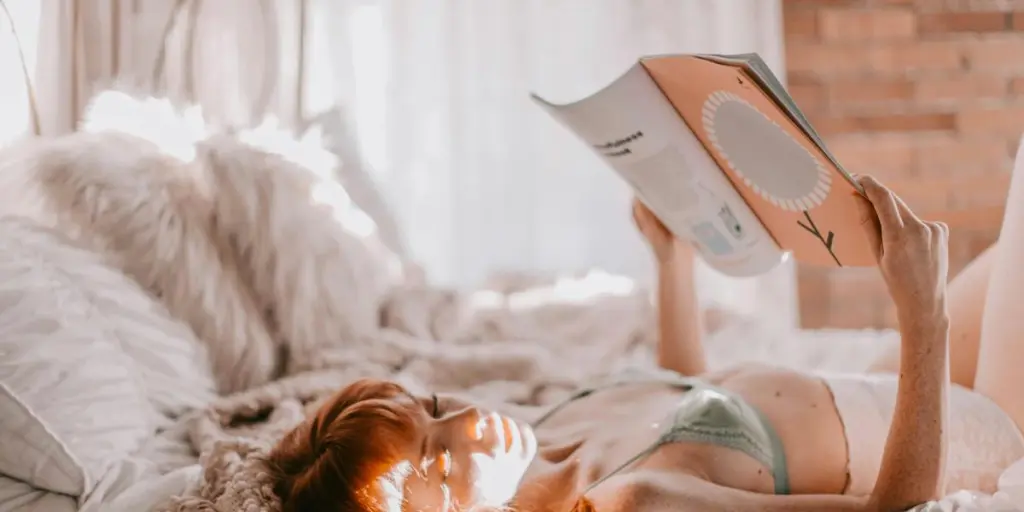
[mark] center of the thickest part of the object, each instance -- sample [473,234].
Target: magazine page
[638,134]
[759,71]
[800,196]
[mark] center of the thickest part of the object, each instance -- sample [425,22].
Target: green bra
[705,414]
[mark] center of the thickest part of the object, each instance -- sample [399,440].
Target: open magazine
[718,150]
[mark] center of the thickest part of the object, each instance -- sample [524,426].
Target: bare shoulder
[648,491]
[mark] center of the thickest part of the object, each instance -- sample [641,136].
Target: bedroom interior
[213,214]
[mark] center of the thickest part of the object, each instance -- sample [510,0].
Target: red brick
[857,25]
[1017,21]
[972,22]
[809,96]
[973,191]
[923,196]
[968,5]
[863,313]
[800,24]
[857,94]
[885,123]
[824,60]
[817,4]
[850,284]
[945,142]
[884,155]
[813,294]
[985,220]
[1003,120]
[917,56]
[955,89]
[1000,54]
[933,196]
[954,155]
[1017,86]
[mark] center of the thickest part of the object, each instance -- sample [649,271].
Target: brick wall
[928,95]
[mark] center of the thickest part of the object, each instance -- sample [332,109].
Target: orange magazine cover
[811,211]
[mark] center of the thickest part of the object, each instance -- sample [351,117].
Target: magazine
[718,150]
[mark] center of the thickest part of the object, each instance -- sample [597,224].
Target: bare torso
[594,435]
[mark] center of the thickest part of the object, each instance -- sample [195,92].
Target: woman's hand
[913,258]
[667,248]
[912,254]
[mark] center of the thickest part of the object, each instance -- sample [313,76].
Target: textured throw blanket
[516,374]
[252,241]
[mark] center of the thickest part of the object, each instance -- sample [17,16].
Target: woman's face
[460,456]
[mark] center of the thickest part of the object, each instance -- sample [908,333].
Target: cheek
[426,496]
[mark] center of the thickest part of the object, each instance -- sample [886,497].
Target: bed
[139,371]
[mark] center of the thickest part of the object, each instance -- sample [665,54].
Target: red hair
[332,461]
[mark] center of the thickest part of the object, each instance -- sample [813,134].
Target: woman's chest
[628,430]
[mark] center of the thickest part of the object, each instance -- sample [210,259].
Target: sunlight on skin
[499,478]
[491,480]
[392,484]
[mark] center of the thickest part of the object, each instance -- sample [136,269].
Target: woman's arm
[913,464]
[913,258]
[679,322]
[679,319]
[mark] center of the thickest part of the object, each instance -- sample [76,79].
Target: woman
[752,438]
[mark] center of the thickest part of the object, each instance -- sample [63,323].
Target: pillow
[312,256]
[89,364]
[149,214]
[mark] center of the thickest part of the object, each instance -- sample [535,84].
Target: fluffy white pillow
[314,261]
[90,365]
[312,256]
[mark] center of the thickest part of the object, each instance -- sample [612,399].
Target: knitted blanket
[476,356]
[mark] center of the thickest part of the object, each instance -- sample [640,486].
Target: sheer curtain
[19,23]
[479,178]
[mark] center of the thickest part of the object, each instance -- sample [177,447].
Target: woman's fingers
[905,212]
[885,204]
[869,221]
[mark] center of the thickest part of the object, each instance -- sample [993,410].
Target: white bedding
[507,343]
[836,350]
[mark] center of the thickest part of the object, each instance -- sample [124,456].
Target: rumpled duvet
[251,240]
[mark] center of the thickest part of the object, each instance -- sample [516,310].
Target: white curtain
[19,23]
[479,178]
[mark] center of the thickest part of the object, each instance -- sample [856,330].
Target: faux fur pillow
[311,254]
[150,215]
[313,261]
